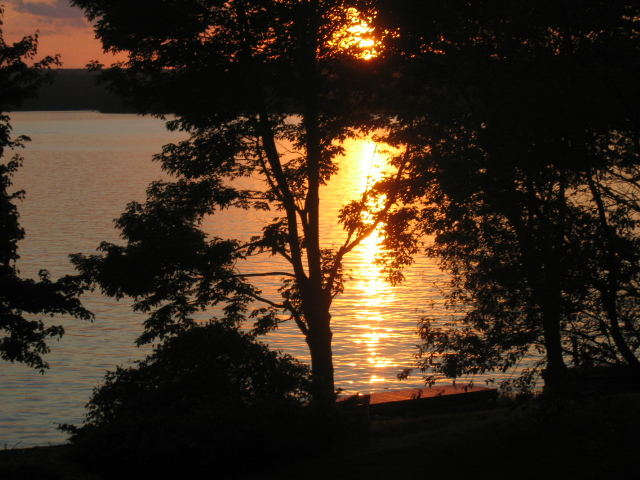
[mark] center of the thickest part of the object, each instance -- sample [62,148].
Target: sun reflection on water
[370,292]
[374,323]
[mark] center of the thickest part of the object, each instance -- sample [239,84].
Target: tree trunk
[319,341]
[609,292]
[555,375]
[316,302]
[551,293]
[543,274]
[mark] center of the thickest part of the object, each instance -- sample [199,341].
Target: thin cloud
[62,30]
[55,10]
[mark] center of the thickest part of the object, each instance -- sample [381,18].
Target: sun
[356,36]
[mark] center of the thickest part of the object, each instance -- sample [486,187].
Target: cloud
[50,11]
[62,30]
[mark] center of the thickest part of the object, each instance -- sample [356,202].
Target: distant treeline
[75,89]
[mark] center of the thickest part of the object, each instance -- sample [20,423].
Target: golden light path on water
[370,163]
[369,277]
[374,323]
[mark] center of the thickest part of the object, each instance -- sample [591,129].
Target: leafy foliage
[208,398]
[521,120]
[24,339]
[264,92]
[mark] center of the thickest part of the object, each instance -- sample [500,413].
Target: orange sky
[63,29]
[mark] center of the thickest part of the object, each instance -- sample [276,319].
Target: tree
[24,339]
[521,117]
[210,398]
[243,78]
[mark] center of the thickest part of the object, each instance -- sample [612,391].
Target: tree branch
[288,200]
[297,318]
[349,244]
[264,274]
[265,300]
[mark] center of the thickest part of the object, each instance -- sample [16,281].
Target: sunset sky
[62,28]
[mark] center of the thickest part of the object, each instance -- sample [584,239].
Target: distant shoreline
[78,110]
[75,90]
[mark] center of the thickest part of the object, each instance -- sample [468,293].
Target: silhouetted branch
[259,298]
[349,244]
[266,274]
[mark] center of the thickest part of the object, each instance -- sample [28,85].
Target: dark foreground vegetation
[581,438]
[188,404]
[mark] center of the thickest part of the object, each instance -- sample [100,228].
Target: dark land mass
[75,89]
[586,438]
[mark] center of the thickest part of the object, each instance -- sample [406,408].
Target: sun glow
[373,292]
[357,37]
[376,379]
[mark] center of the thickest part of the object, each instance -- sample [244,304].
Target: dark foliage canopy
[210,398]
[524,124]
[24,338]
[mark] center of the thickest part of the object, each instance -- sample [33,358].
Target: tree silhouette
[24,339]
[211,398]
[524,121]
[243,78]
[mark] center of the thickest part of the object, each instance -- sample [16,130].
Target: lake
[81,169]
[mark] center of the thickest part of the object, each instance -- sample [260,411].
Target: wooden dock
[414,400]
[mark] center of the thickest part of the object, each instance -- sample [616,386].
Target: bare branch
[288,201]
[265,274]
[300,323]
[268,176]
[297,318]
[257,297]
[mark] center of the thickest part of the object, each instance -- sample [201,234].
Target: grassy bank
[593,438]
[586,438]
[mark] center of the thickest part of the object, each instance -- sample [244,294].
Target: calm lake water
[80,170]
